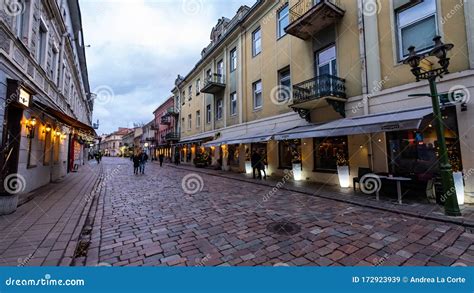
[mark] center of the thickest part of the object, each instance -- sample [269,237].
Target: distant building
[166,125]
[112,143]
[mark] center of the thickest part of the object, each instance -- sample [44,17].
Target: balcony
[172,111]
[312,93]
[214,84]
[308,17]
[172,136]
[166,120]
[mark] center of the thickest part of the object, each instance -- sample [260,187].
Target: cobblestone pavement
[44,231]
[175,217]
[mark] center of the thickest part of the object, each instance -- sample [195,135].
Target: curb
[394,209]
[68,257]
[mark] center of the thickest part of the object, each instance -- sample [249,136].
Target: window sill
[257,109]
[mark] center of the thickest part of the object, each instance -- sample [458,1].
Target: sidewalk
[44,231]
[420,210]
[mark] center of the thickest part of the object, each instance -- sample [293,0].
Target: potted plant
[343,170]
[202,160]
[458,178]
[297,166]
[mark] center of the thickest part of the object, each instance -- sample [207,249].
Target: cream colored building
[307,80]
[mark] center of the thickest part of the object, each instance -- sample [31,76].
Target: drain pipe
[364,73]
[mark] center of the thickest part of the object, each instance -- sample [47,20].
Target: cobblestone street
[154,220]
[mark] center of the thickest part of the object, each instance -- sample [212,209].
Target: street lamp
[439,51]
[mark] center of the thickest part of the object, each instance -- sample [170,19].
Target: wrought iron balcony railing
[214,83]
[172,136]
[166,119]
[319,87]
[308,17]
[172,111]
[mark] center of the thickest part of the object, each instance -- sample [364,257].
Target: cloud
[139,47]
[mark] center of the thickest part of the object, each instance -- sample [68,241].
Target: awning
[253,135]
[384,122]
[197,138]
[64,118]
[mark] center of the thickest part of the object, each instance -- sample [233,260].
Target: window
[283,20]
[190,93]
[256,42]
[184,97]
[208,114]
[55,65]
[219,108]
[22,19]
[42,43]
[209,74]
[416,26]
[257,95]
[326,152]
[289,153]
[182,123]
[198,119]
[220,71]
[233,104]
[284,79]
[233,59]
[190,122]
[233,156]
[198,86]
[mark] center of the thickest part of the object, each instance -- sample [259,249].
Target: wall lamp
[30,125]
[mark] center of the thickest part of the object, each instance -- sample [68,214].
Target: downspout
[365,77]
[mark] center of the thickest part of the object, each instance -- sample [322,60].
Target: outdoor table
[399,185]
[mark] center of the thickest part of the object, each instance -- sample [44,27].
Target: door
[326,67]
[11,139]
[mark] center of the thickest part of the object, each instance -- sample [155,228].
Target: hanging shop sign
[17,94]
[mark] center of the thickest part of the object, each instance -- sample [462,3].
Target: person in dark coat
[255,161]
[143,158]
[161,157]
[136,163]
[176,158]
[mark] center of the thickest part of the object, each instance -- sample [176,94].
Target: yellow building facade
[310,83]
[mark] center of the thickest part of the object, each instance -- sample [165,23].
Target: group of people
[258,164]
[139,160]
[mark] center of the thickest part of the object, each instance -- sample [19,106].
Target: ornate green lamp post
[440,51]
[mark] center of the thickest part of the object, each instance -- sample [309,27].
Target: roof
[213,46]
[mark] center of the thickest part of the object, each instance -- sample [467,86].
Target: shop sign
[391,127]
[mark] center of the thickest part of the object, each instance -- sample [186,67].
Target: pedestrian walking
[143,159]
[255,161]
[161,157]
[176,158]
[136,163]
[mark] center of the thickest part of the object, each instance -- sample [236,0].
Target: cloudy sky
[138,47]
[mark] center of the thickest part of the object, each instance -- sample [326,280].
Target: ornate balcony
[214,84]
[308,17]
[166,120]
[310,94]
[172,111]
[172,136]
